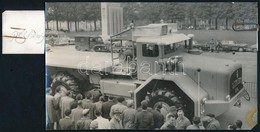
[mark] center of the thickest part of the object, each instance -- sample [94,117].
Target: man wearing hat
[84,122]
[144,118]
[115,122]
[76,113]
[128,116]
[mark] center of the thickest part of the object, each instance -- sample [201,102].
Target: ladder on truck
[121,68]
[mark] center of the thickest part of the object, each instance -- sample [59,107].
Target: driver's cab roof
[163,40]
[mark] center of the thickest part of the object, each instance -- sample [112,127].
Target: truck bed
[69,57]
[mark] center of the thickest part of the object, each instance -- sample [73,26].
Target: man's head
[102,99]
[79,103]
[67,112]
[79,97]
[171,119]
[130,104]
[239,124]
[120,99]
[196,120]
[57,89]
[98,113]
[67,93]
[110,98]
[89,96]
[180,113]
[144,105]
[232,127]
[173,110]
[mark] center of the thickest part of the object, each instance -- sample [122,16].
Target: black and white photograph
[151,65]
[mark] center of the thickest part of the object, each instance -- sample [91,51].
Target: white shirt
[103,123]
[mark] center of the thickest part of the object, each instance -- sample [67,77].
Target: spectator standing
[173,112]
[65,104]
[182,122]
[158,117]
[99,103]
[57,98]
[76,113]
[239,124]
[169,124]
[87,103]
[210,123]
[115,122]
[144,118]
[75,103]
[146,102]
[50,109]
[67,123]
[195,124]
[84,122]
[128,116]
[106,107]
[102,122]
[119,107]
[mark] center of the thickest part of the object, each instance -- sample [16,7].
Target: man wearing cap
[115,122]
[144,119]
[65,104]
[158,117]
[106,107]
[76,113]
[67,123]
[87,103]
[50,109]
[84,122]
[119,107]
[182,122]
[128,116]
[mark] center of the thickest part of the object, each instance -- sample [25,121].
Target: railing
[251,88]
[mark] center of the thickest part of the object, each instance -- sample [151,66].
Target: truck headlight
[228,97]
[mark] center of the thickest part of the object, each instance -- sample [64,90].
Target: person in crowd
[182,122]
[147,102]
[103,123]
[218,46]
[65,104]
[57,98]
[115,122]
[232,126]
[50,109]
[84,122]
[106,107]
[128,116]
[144,119]
[212,45]
[173,112]
[195,124]
[67,123]
[87,103]
[99,103]
[118,107]
[210,123]
[169,124]
[76,113]
[158,117]
[75,103]
[94,125]
[239,124]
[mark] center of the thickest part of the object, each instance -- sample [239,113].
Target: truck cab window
[169,48]
[150,50]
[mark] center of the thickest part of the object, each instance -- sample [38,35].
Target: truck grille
[235,82]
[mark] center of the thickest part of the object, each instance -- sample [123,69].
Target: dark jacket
[105,109]
[144,120]
[158,118]
[88,104]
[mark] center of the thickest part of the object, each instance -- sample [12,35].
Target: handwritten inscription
[21,35]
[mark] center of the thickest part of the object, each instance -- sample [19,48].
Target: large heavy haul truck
[157,65]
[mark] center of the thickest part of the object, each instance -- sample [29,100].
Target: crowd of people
[76,113]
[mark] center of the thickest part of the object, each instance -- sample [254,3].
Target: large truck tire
[168,99]
[66,81]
